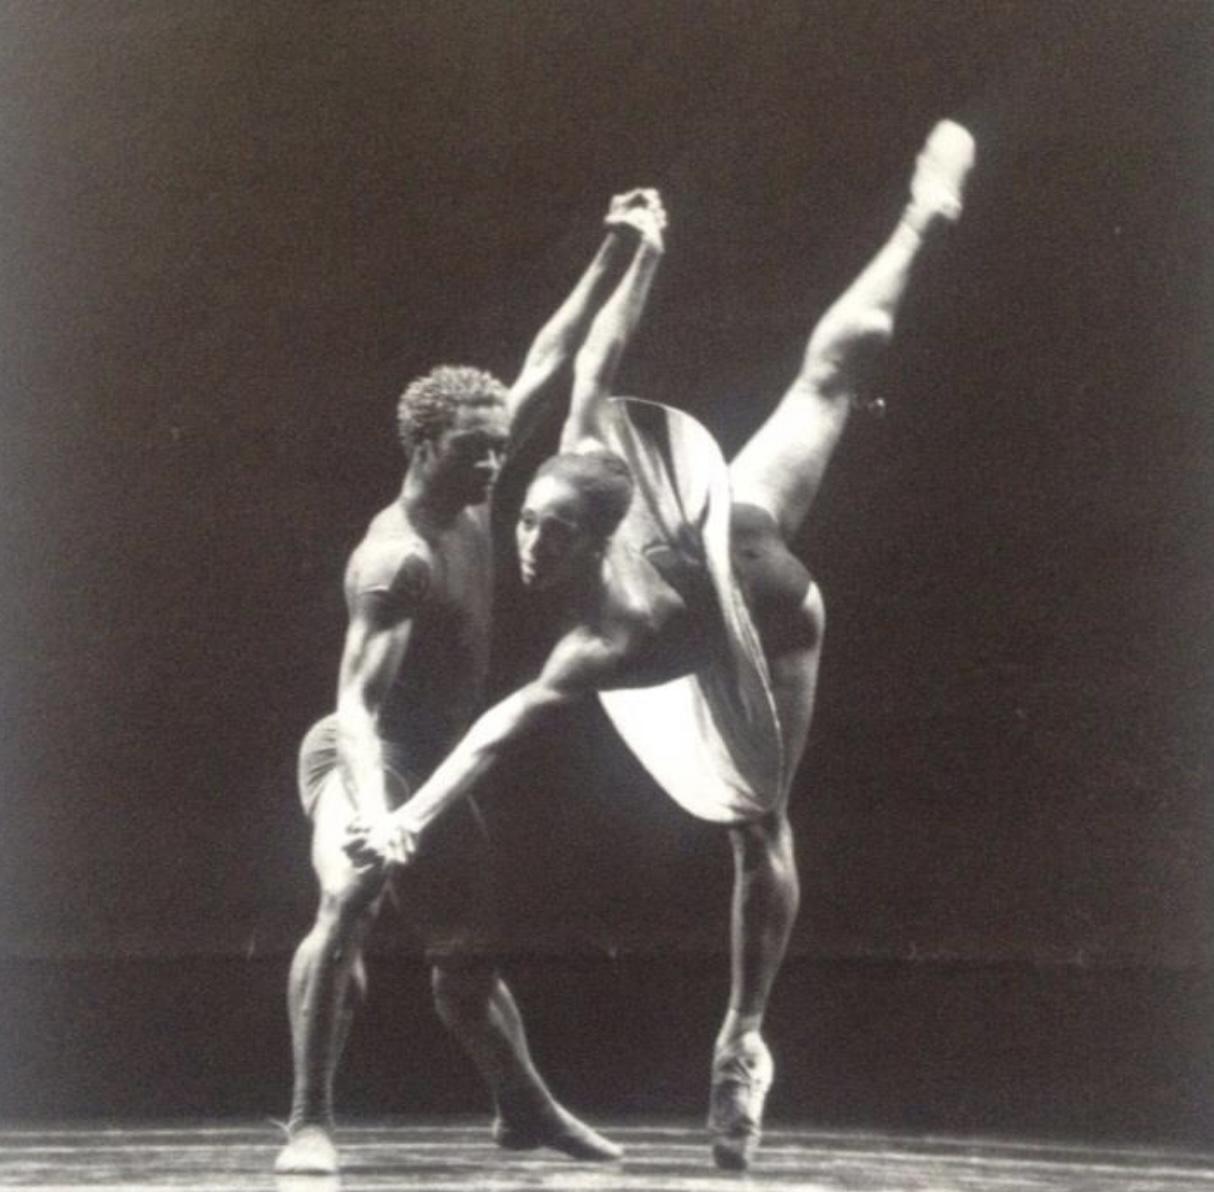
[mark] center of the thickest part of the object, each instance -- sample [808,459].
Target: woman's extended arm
[580,664]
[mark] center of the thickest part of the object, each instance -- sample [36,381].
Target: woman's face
[554,546]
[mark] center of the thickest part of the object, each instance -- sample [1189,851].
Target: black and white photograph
[607,594]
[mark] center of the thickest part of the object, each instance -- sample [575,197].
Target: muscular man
[411,681]
[696,626]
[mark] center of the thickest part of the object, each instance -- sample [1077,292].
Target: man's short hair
[431,404]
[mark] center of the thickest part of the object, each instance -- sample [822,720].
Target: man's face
[468,455]
[553,544]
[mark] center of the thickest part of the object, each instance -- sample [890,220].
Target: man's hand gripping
[378,841]
[641,210]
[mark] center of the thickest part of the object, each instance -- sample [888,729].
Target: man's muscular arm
[377,641]
[564,332]
[579,665]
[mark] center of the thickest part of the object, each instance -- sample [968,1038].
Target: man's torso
[442,584]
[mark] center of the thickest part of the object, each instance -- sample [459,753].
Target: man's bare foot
[306,1182]
[741,1075]
[558,1130]
[309,1151]
[941,171]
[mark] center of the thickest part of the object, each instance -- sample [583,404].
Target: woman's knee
[760,838]
[845,346]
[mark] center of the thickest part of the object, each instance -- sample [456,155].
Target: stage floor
[460,1155]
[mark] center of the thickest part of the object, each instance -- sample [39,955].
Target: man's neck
[429,511]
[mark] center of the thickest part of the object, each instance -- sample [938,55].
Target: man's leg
[327,982]
[453,896]
[780,469]
[478,1008]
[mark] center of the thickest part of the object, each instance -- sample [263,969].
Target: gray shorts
[447,894]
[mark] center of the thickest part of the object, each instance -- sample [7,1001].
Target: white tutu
[711,738]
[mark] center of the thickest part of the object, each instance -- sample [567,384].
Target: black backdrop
[230,233]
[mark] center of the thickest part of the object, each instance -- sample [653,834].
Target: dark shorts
[447,894]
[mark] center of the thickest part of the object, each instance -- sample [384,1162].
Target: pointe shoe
[558,1130]
[309,1151]
[741,1075]
[941,171]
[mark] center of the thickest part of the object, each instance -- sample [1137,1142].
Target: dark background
[230,233]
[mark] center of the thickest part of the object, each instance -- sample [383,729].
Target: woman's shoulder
[591,655]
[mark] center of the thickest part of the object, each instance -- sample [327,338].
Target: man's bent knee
[349,900]
[462,990]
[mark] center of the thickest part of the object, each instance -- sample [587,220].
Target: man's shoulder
[393,565]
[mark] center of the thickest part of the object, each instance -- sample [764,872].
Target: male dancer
[411,681]
[635,613]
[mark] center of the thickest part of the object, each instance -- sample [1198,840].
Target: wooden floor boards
[449,1156]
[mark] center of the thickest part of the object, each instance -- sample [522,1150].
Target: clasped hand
[380,840]
[641,210]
